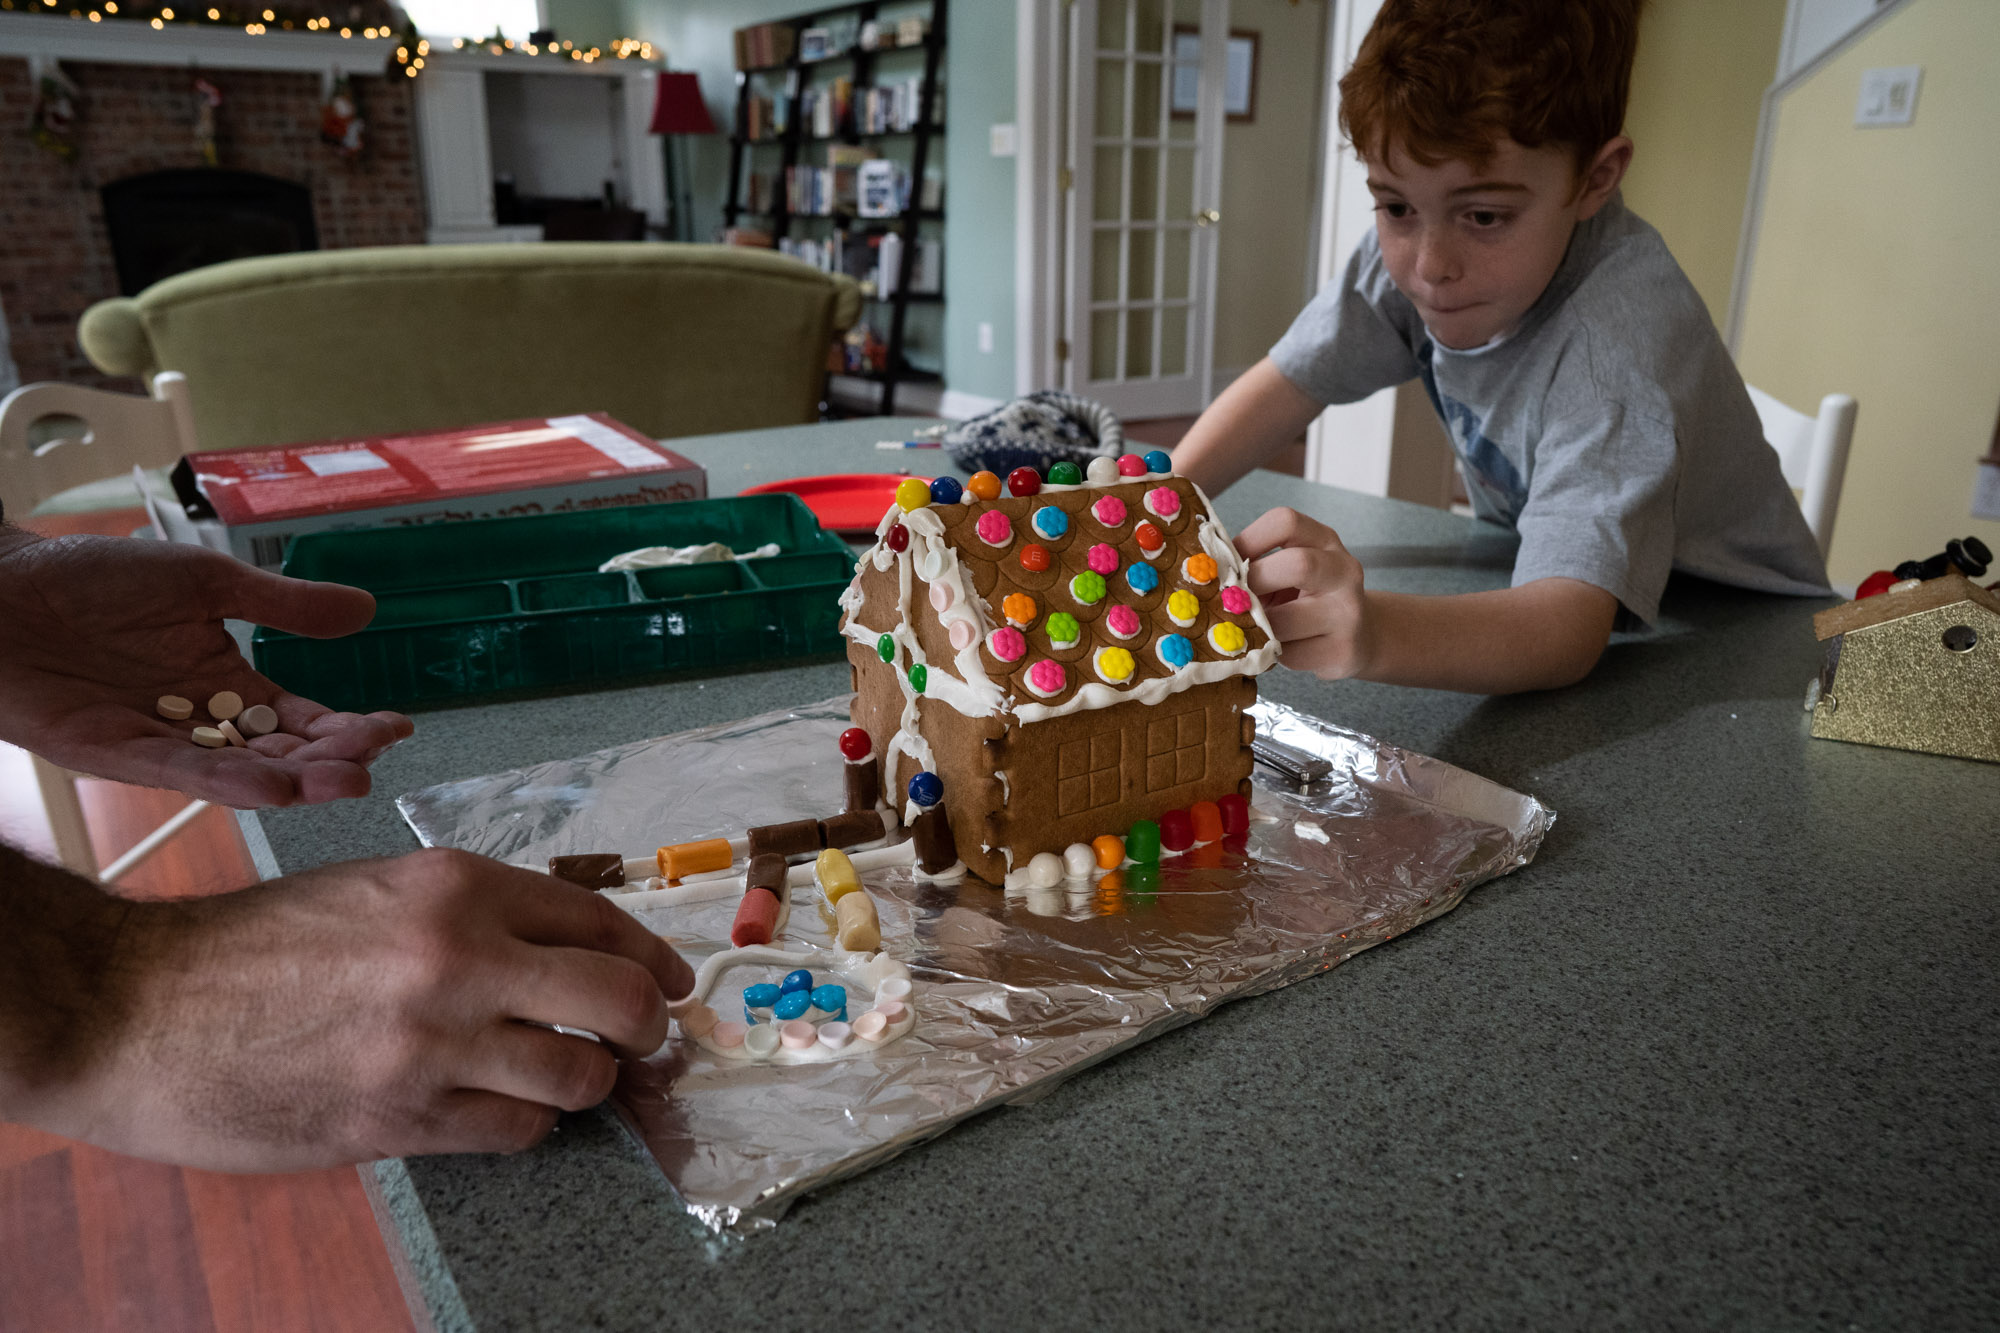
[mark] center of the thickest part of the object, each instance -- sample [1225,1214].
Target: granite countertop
[1725,1054]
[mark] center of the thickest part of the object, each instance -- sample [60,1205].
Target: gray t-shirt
[1610,429]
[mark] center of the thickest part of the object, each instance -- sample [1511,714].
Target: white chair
[121,431]
[1812,452]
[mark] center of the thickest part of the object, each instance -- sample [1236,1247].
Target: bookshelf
[788,117]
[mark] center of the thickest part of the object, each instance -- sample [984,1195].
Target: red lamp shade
[677,105]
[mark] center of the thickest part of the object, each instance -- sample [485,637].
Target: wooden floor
[93,1240]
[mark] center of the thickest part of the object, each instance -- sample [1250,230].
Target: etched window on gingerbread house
[1176,750]
[1086,773]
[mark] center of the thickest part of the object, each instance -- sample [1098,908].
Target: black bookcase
[797,136]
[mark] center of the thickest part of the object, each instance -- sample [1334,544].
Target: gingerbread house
[1067,658]
[1914,668]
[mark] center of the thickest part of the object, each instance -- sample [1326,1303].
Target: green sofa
[671,339]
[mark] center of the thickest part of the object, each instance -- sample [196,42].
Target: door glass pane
[1104,265]
[1173,340]
[1108,190]
[1111,25]
[1143,255]
[1145,101]
[1152,23]
[1139,345]
[1110,99]
[1145,183]
[1180,183]
[1104,345]
[1186,12]
[1180,253]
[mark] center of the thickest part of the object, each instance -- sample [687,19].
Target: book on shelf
[763,45]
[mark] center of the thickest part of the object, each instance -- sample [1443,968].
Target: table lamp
[678,110]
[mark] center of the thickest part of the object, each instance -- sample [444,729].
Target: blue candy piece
[926,790]
[793,1004]
[1050,522]
[1158,461]
[945,491]
[833,999]
[799,980]
[1176,651]
[760,997]
[1143,578]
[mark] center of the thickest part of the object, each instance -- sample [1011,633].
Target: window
[1087,773]
[1176,750]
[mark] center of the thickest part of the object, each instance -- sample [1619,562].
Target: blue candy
[1143,578]
[799,980]
[1176,651]
[1050,522]
[926,790]
[945,491]
[833,999]
[760,997]
[1158,461]
[793,1004]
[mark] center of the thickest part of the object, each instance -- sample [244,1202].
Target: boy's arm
[1537,636]
[1256,416]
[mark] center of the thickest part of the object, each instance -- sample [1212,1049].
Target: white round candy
[1102,471]
[761,1040]
[1079,861]
[1045,871]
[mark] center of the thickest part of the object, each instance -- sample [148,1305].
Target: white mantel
[42,38]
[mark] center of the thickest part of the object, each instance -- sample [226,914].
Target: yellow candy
[912,493]
[835,874]
[1183,605]
[1227,638]
[1116,663]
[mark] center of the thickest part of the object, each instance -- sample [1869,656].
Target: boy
[1591,404]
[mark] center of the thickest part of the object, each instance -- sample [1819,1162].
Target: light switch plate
[1888,95]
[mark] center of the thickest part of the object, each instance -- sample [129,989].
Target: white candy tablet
[174,708]
[210,738]
[231,734]
[258,720]
[225,705]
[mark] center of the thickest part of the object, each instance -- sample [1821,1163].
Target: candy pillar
[937,850]
[864,775]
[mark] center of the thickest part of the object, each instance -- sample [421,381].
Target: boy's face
[1473,246]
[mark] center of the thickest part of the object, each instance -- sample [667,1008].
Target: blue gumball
[1157,460]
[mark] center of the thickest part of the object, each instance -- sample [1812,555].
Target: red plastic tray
[845,502]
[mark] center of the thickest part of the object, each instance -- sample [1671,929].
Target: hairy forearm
[1539,636]
[1258,415]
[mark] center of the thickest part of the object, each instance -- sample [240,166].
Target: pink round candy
[729,1034]
[798,1035]
[892,1011]
[1046,676]
[1007,643]
[1235,600]
[1131,465]
[962,635]
[941,595]
[1103,557]
[1110,510]
[1123,620]
[1164,501]
[995,528]
[871,1026]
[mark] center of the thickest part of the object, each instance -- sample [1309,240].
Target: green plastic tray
[465,609]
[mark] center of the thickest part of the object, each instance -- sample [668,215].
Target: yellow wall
[1876,273]
[1268,182]
[1697,86]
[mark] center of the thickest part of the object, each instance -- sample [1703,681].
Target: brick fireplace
[55,251]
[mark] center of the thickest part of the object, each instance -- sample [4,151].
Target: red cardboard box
[252,502]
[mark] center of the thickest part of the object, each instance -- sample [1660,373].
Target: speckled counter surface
[1726,1055]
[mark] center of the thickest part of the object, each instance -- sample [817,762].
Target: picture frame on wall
[815,44]
[1239,89]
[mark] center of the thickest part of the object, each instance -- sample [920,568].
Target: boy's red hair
[1444,79]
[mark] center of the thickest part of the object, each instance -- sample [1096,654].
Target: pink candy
[1110,510]
[995,528]
[1235,600]
[1047,677]
[1008,644]
[1103,557]
[1131,465]
[1164,501]
[962,634]
[1123,620]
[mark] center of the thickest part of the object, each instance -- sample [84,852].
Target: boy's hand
[1311,587]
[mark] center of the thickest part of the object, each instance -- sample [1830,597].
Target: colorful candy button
[1175,651]
[983,485]
[1164,501]
[926,790]
[1226,638]
[1109,510]
[1035,558]
[1235,814]
[1007,644]
[933,565]
[945,490]
[1142,842]
[1150,540]
[1131,465]
[1065,474]
[913,493]
[1199,568]
[1024,481]
[1110,850]
[943,594]
[1123,621]
[835,1035]
[1102,558]
[1236,600]
[798,1035]
[919,676]
[962,633]
[871,1027]
[1115,665]
[1158,460]
[1207,821]
[1183,606]
[1046,678]
[1087,588]
[885,648]
[1143,578]
[729,1035]
[1050,522]
[1103,470]
[1019,608]
[1063,630]
[856,744]
[1176,831]
[995,528]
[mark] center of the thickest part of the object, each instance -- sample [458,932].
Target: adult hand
[1311,587]
[96,629]
[364,1010]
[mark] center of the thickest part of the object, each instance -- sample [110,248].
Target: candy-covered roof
[1044,598]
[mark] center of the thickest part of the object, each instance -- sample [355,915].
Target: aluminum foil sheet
[1354,842]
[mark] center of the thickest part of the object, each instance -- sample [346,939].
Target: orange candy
[1149,537]
[1200,568]
[984,485]
[1207,816]
[1110,849]
[1035,556]
[1019,608]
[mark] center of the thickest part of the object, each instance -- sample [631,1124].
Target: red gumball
[1235,814]
[1024,481]
[898,538]
[1875,583]
[855,744]
[1176,830]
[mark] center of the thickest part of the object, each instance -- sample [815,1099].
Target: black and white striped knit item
[1046,427]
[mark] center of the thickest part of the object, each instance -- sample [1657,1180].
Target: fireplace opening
[167,222]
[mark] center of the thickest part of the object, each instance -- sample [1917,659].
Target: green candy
[1065,474]
[1142,844]
[918,676]
[1062,628]
[885,648]
[1087,587]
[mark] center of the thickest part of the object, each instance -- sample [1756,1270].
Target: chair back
[120,431]
[1812,453]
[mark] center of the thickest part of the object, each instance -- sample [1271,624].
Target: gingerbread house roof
[1074,597]
[1896,604]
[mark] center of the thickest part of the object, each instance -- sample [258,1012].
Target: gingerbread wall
[55,256]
